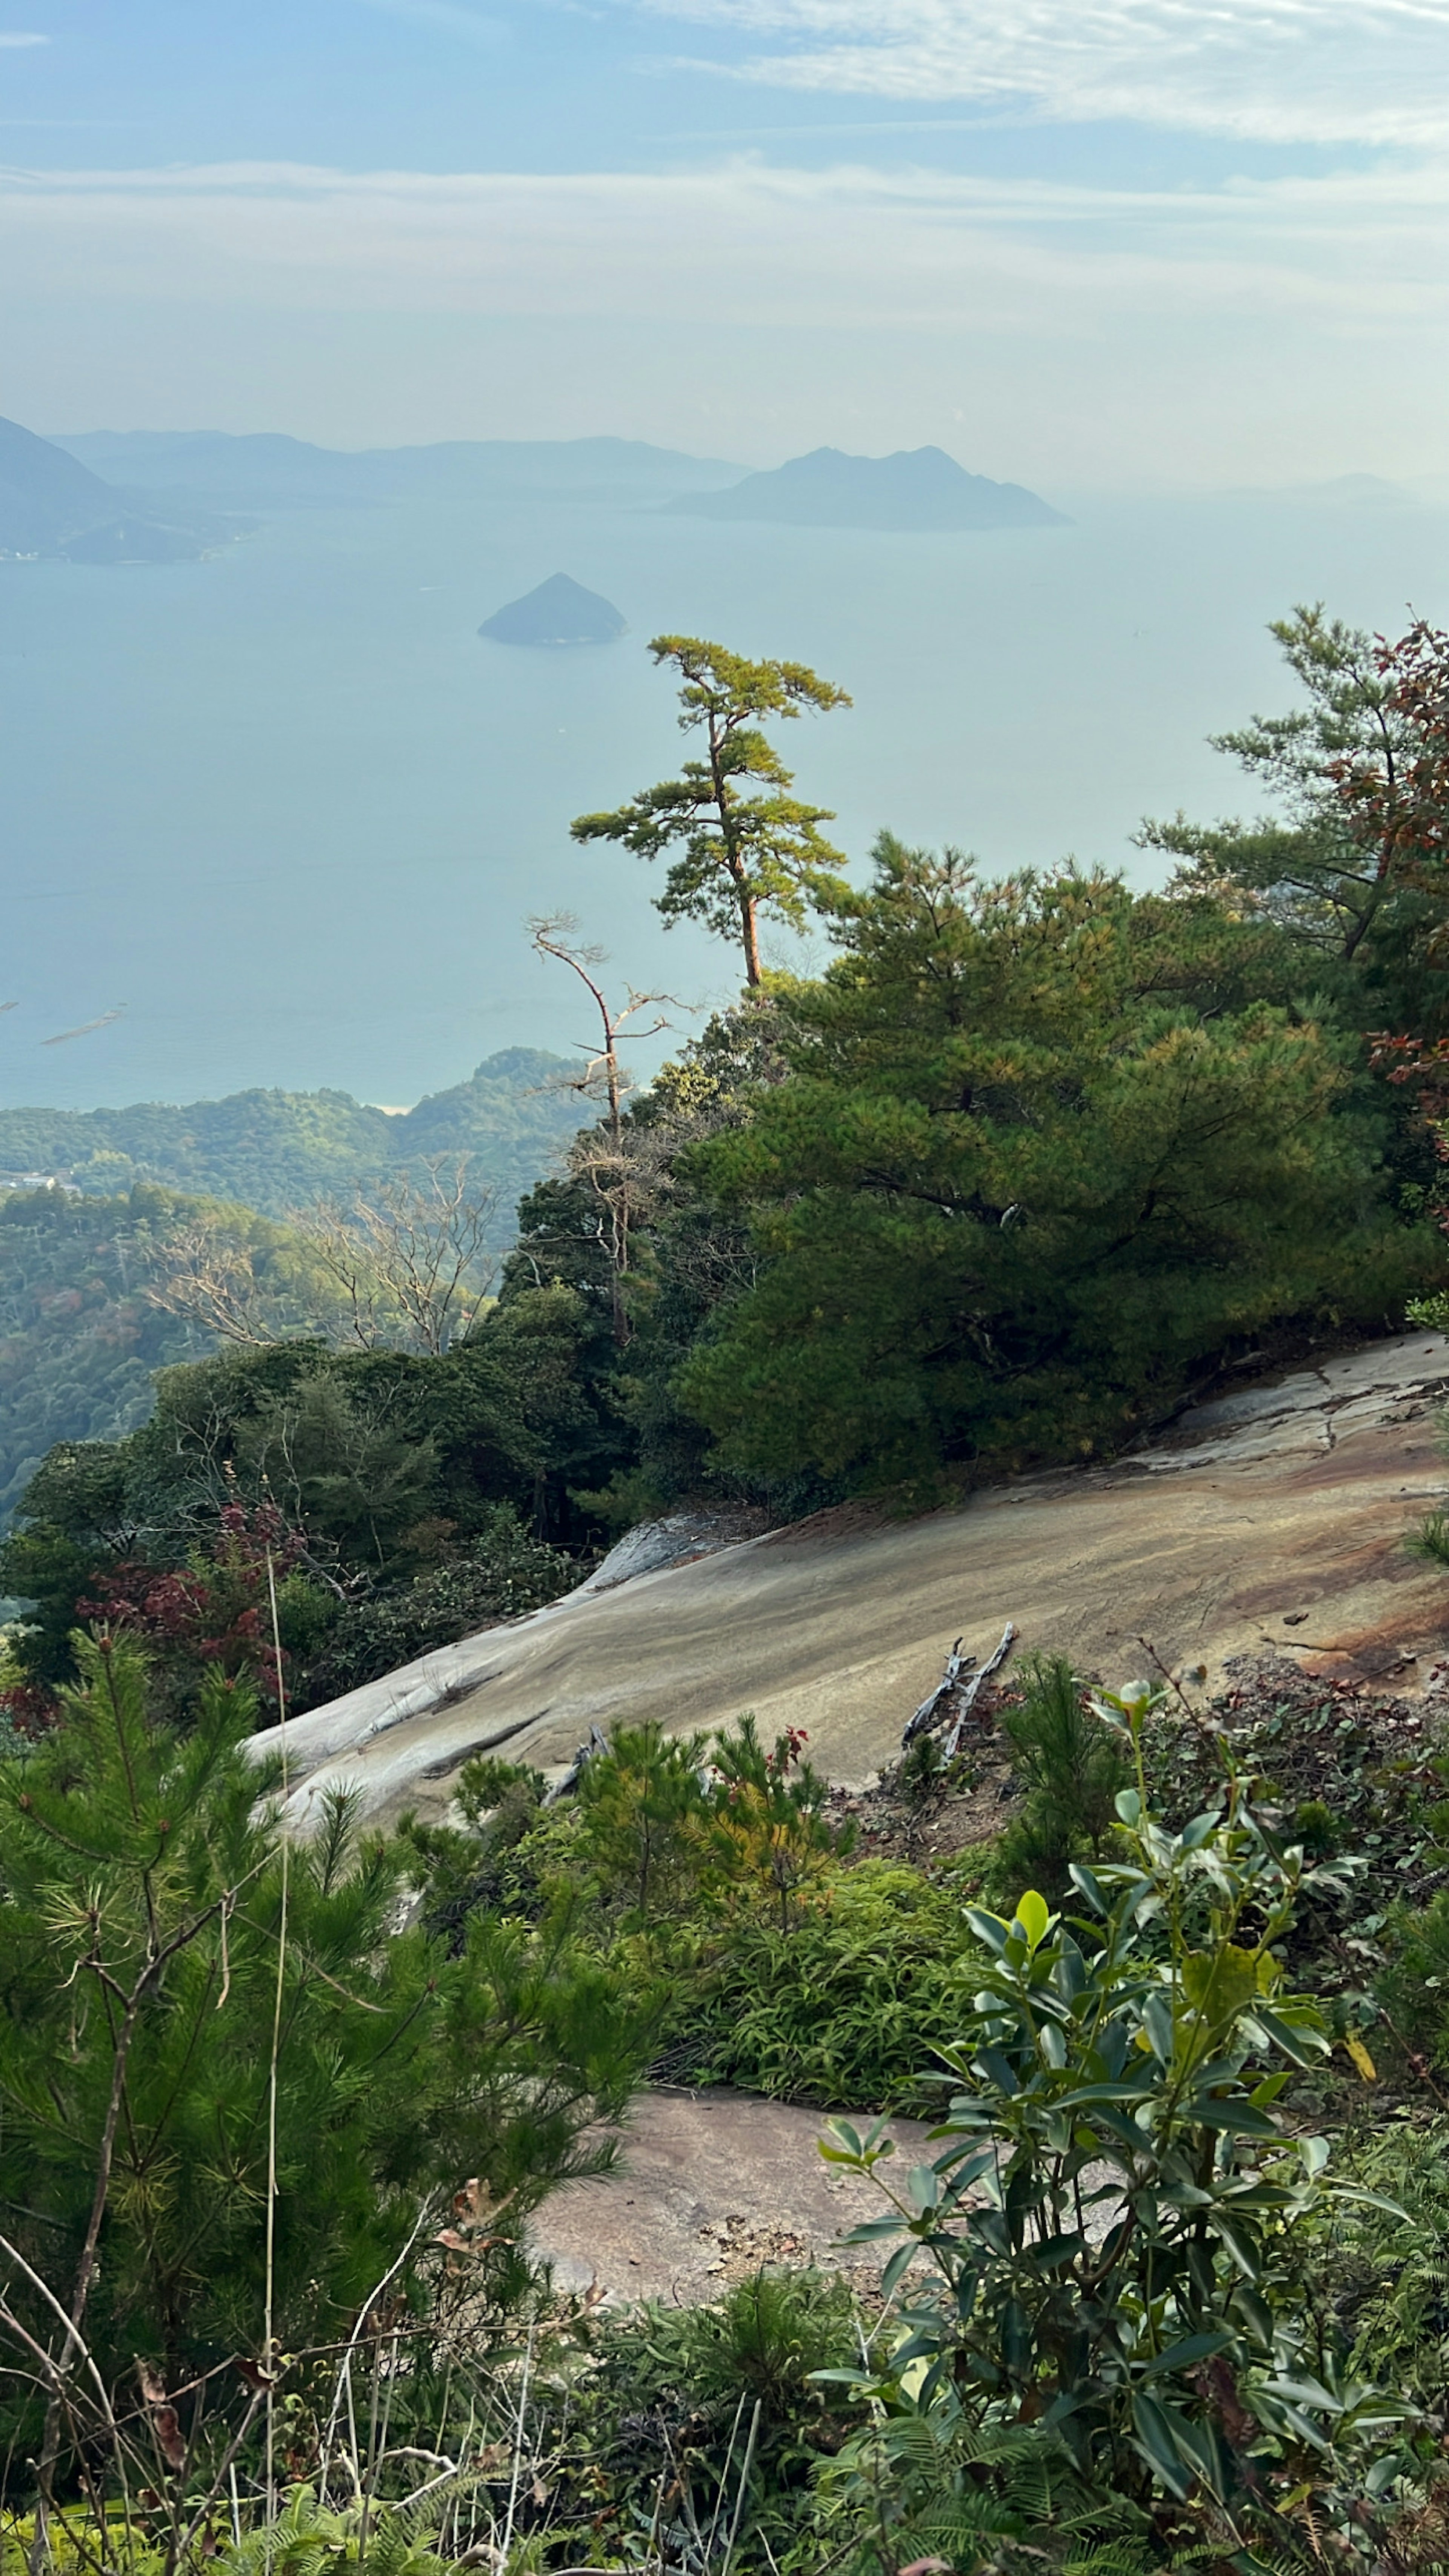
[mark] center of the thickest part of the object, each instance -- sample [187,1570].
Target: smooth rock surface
[711,2186]
[1282,1500]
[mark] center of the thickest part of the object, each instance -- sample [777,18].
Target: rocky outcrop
[1274,1516]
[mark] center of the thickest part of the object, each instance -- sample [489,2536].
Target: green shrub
[1380,2271]
[1413,1985]
[1105,2228]
[1069,1767]
[729,2403]
[505,1574]
[503,1861]
[849,2009]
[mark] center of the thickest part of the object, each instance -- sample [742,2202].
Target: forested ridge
[80,1339]
[81,1333]
[278,1150]
[1031,1161]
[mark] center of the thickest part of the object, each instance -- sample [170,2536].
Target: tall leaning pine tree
[745,842]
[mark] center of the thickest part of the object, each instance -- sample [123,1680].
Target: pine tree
[228,2085]
[1040,1154]
[740,853]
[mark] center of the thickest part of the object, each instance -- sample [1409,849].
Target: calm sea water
[289,811]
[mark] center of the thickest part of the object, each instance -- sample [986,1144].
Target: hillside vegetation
[80,1339]
[279,1150]
[81,1333]
[1026,1164]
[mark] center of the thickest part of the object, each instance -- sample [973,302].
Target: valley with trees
[295,1391]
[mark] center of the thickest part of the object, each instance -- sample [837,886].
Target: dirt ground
[1275,1516]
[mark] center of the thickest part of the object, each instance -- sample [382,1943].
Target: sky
[1084,244]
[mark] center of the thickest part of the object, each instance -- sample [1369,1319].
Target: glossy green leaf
[1154,2433]
[1187,2354]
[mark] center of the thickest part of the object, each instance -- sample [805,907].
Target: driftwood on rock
[954,1698]
[597,1743]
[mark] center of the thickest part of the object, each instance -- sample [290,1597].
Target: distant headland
[920,487]
[52,506]
[560,611]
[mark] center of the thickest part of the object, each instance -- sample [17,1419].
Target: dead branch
[410,1259]
[954,1698]
[210,1280]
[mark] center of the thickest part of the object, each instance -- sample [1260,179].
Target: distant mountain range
[51,504]
[917,488]
[279,1150]
[266,471]
[157,496]
[920,487]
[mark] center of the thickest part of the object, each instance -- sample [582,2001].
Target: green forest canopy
[1022,1170]
[80,1339]
[279,1150]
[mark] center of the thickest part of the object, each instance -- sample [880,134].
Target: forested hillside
[1029,1163]
[80,1338]
[279,1150]
[1032,1161]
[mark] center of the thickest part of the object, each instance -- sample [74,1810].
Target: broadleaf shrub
[1103,2229]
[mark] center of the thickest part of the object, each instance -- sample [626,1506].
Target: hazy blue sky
[1075,241]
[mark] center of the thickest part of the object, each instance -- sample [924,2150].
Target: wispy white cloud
[11,39]
[1276,70]
[1227,333]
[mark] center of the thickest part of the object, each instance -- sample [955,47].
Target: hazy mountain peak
[920,487]
[52,504]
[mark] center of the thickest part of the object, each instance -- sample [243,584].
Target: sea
[281,817]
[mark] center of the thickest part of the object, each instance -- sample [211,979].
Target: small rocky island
[918,487]
[560,611]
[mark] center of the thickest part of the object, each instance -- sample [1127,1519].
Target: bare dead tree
[409,1257]
[340,1247]
[208,1278]
[604,1158]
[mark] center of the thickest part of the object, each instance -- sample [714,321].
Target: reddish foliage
[1407,1059]
[1398,795]
[27,1708]
[789,1750]
[214,1611]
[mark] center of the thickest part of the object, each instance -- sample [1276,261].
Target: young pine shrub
[772,1838]
[493,1862]
[1070,1767]
[229,2089]
[644,1810]
[1429,1539]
